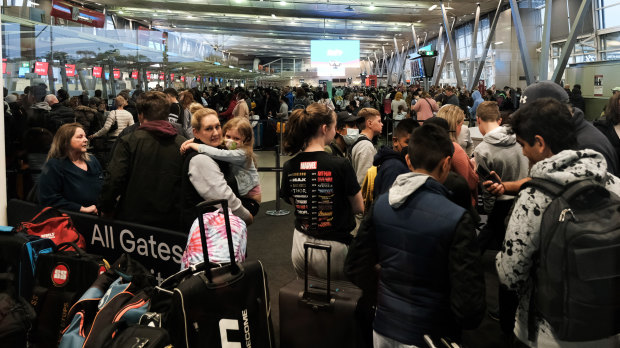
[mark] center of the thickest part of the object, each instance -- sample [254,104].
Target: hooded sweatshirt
[477,101]
[514,263]
[145,171]
[390,164]
[500,152]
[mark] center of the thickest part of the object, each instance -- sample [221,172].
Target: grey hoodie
[522,240]
[404,186]
[500,152]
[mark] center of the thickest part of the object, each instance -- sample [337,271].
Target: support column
[474,42]
[3,192]
[455,59]
[415,39]
[570,41]
[543,73]
[525,57]
[390,67]
[483,58]
[402,62]
[439,62]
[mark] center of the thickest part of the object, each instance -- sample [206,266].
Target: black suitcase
[61,278]
[319,313]
[224,306]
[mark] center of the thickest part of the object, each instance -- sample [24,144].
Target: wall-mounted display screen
[331,57]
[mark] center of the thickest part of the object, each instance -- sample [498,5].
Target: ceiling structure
[274,28]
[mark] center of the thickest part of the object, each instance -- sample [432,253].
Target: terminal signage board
[134,74]
[3,68]
[162,76]
[148,75]
[97,71]
[70,70]
[40,68]
[117,74]
[78,14]
[172,77]
[182,78]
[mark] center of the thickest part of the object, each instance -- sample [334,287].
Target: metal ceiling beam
[567,49]
[474,42]
[483,57]
[455,59]
[403,61]
[543,73]
[525,56]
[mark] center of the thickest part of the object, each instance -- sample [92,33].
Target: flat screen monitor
[422,67]
[331,57]
[23,71]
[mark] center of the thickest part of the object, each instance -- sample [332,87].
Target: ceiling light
[282,3]
[121,12]
[432,7]
[190,16]
[419,21]
[273,15]
[499,42]
[238,1]
[372,7]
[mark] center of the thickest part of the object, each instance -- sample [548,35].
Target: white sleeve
[362,156]
[209,182]
[237,157]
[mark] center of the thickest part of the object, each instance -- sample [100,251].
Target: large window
[608,13]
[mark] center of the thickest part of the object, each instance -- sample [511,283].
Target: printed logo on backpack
[60,275]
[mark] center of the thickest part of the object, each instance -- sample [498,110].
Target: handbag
[52,224]
[114,126]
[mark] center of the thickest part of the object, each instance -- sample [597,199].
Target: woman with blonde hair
[71,179]
[461,163]
[121,117]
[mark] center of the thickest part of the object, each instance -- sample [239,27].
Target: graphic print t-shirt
[320,185]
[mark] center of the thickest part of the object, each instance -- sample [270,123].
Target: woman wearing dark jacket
[576,99]
[71,179]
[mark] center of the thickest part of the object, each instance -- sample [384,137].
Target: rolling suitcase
[319,313]
[224,306]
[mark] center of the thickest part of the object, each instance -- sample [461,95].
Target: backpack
[52,224]
[122,293]
[299,104]
[577,277]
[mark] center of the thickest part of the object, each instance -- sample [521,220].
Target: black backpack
[577,272]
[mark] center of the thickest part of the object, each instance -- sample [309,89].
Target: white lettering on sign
[149,247]
[334,53]
[307,165]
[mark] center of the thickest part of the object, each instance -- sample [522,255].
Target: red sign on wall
[162,76]
[134,74]
[172,77]
[4,68]
[182,78]
[148,75]
[117,74]
[70,69]
[40,68]
[97,71]
[75,13]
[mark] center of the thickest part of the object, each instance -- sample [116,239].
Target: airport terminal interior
[93,63]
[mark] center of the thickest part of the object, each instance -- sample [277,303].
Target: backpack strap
[548,187]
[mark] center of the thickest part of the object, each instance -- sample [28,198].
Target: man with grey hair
[59,114]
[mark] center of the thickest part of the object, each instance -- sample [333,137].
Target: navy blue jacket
[390,164]
[63,185]
[431,280]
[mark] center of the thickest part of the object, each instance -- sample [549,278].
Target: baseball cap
[544,89]
[345,116]
[615,89]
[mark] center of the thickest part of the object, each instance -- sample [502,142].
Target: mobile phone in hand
[485,175]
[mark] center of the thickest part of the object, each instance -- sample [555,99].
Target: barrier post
[278,211]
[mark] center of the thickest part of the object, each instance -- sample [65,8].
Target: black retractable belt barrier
[277,169]
[158,249]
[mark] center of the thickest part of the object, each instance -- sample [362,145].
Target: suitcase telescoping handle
[201,209]
[328,250]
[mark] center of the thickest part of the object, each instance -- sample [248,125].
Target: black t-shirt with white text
[320,185]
